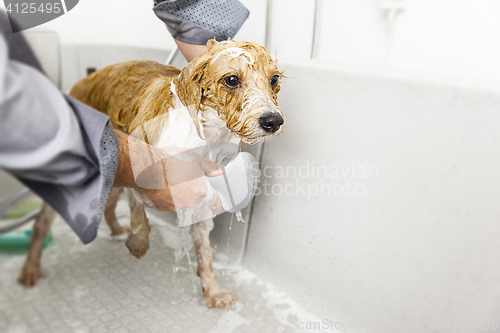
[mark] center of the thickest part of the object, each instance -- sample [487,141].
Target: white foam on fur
[234,52]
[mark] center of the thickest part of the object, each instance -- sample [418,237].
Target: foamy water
[101,288]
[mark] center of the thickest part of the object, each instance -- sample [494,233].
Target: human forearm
[190,51]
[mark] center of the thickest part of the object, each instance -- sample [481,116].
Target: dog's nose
[271,122]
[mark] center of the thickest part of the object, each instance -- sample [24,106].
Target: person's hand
[178,181]
[166,179]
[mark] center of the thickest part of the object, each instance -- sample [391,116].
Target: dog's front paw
[29,275]
[220,299]
[138,244]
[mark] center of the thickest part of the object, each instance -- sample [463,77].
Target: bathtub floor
[101,288]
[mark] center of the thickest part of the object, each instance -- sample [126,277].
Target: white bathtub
[416,242]
[378,209]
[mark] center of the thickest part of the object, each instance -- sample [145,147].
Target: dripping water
[228,240]
[239,217]
[185,251]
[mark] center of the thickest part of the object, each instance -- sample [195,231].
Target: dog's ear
[210,43]
[190,89]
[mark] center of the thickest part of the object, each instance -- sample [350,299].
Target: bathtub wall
[380,201]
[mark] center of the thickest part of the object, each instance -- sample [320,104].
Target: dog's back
[122,90]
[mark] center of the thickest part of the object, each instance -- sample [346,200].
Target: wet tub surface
[101,288]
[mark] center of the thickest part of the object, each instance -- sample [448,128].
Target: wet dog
[228,94]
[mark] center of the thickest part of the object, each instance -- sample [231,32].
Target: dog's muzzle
[271,122]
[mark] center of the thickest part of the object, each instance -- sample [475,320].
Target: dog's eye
[274,80]
[232,81]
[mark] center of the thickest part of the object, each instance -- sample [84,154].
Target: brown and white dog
[228,94]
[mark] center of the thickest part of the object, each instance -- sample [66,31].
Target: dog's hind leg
[31,270]
[138,238]
[117,231]
[216,298]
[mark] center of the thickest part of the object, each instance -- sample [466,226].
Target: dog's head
[240,81]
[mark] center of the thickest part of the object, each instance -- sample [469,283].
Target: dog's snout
[271,122]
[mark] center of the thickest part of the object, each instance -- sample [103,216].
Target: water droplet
[239,217]
[228,239]
[186,252]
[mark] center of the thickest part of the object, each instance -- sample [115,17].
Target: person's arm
[192,24]
[190,51]
[52,143]
[67,154]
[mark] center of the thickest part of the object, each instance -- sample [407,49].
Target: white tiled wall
[47,46]
[112,22]
[78,58]
[133,23]
[291,28]
[456,38]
